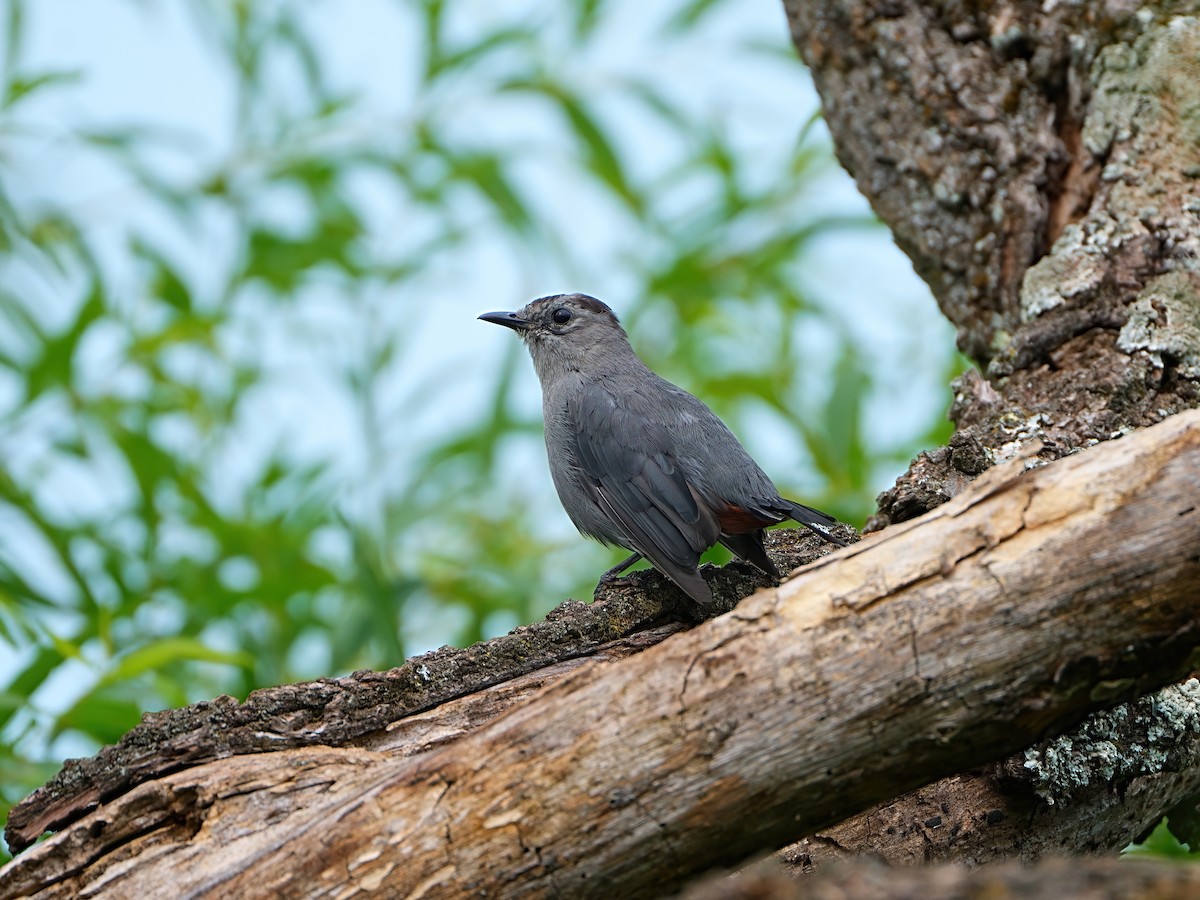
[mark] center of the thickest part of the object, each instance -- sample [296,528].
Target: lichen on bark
[1039,165]
[1158,732]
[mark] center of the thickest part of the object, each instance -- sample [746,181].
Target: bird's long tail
[813,519]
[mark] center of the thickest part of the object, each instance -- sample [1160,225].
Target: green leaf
[588,16]
[30,678]
[600,154]
[54,367]
[21,87]
[168,651]
[688,16]
[486,172]
[14,35]
[431,25]
[843,420]
[520,39]
[164,283]
[104,718]
[1161,844]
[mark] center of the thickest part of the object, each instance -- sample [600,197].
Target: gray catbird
[637,461]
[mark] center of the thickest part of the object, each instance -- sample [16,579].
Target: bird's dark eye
[561,316]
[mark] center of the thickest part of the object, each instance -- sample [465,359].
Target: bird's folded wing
[628,466]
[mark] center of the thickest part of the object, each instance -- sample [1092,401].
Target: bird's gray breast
[559,406]
[620,478]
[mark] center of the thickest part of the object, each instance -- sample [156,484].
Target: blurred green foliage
[145,564]
[1162,843]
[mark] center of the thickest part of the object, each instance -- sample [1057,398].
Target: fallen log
[936,645]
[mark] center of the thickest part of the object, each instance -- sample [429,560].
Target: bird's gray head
[568,332]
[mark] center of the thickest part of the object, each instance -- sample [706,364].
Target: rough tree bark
[1088,792]
[1039,163]
[1106,879]
[938,643]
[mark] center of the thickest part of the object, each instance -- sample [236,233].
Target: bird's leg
[612,578]
[615,572]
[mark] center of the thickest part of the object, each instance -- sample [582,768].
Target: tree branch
[1093,790]
[359,710]
[932,647]
[1095,879]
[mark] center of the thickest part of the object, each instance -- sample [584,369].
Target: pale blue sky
[148,62]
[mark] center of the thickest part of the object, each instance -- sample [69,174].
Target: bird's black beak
[507,319]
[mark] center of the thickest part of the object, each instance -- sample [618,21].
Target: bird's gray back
[628,417]
[715,461]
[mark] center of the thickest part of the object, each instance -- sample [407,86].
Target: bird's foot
[609,581]
[615,580]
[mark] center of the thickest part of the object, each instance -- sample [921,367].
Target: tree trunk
[1038,162]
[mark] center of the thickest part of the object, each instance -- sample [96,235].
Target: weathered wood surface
[931,647]
[1054,879]
[360,710]
[1092,790]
